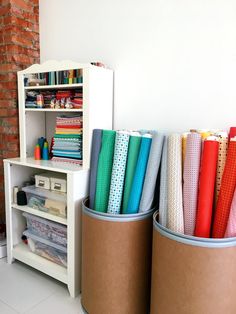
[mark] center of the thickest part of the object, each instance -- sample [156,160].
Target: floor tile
[5,309]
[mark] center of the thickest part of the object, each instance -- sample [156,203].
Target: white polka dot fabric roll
[118,172]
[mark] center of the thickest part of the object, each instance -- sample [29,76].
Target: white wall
[174,60]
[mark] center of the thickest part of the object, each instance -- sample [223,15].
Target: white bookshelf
[97,113]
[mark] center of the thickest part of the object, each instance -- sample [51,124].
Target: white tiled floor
[25,290]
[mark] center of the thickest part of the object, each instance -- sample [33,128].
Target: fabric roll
[222,154]
[184,142]
[163,187]
[231,225]
[204,133]
[139,175]
[105,162]
[232,132]
[175,220]
[133,152]
[96,146]
[228,184]
[190,179]
[118,172]
[151,172]
[206,187]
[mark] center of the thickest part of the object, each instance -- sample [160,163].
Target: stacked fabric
[123,170]
[200,199]
[67,141]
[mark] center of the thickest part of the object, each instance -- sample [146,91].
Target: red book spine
[206,188]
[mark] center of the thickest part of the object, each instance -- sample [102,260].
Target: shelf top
[53,110]
[46,165]
[59,86]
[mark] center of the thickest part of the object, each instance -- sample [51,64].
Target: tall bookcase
[97,112]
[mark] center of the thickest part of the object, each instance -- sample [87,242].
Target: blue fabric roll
[96,146]
[139,175]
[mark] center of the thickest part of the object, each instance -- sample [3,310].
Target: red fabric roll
[228,184]
[232,132]
[206,188]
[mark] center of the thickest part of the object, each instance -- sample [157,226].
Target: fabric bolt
[232,132]
[228,184]
[133,152]
[163,207]
[206,187]
[96,146]
[118,172]
[190,181]
[222,154]
[204,133]
[231,225]
[67,160]
[175,220]
[151,172]
[139,175]
[184,142]
[105,161]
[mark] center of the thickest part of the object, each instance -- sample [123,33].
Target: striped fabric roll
[163,187]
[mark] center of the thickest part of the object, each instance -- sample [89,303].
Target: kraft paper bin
[192,275]
[116,262]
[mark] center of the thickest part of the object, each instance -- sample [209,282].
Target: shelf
[22,253]
[39,213]
[53,110]
[59,86]
[46,164]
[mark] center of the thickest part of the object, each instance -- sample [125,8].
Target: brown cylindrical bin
[116,262]
[192,275]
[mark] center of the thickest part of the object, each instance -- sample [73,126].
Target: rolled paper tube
[231,225]
[228,184]
[190,179]
[222,154]
[139,175]
[105,162]
[133,152]
[152,171]
[206,187]
[163,187]
[118,172]
[175,220]
[232,132]
[96,146]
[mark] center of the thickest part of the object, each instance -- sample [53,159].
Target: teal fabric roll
[152,171]
[140,170]
[118,172]
[105,162]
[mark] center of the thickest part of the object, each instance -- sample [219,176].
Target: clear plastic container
[49,250]
[46,201]
[46,229]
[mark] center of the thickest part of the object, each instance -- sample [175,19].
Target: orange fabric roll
[228,184]
[206,187]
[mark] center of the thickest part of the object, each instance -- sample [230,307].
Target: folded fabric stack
[31,99]
[198,184]
[67,141]
[123,170]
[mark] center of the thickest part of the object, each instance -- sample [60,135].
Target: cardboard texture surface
[192,280]
[116,265]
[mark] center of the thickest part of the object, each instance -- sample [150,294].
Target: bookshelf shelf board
[52,110]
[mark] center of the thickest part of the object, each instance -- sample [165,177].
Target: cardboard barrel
[192,275]
[116,262]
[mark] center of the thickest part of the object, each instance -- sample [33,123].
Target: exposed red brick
[7,103]
[21,4]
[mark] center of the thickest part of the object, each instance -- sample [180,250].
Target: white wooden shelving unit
[97,113]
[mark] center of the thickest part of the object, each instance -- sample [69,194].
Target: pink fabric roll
[191,176]
[231,226]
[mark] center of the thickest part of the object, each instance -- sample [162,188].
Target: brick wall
[19,48]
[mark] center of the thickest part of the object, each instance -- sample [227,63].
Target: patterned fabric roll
[175,201]
[163,187]
[231,226]
[206,187]
[152,171]
[191,176]
[105,162]
[184,142]
[228,184]
[118,172]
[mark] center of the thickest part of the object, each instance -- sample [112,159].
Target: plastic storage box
[51,251]
[47,201]
[46,229]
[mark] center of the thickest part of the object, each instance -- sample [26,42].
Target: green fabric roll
[105,162]
[134,146]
